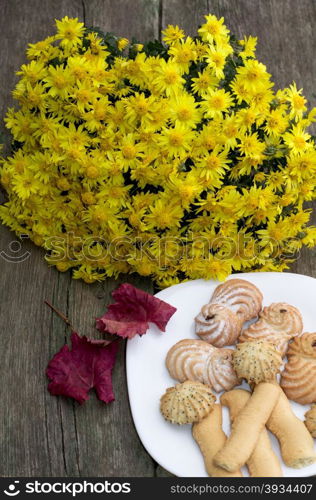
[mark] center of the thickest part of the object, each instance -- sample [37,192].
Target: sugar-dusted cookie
[299,375]
[277,324]
[186,360]
[241,296]
[197,360]
[232,303]
[256,361]
[187,403]
[218,325]
[219,371]
[310,420]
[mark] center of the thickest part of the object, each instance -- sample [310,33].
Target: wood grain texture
[47,436]
[187,14]
[136,18]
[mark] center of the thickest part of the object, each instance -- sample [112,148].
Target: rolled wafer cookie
[209,435]
[247,427]
[296,443]
[263,462]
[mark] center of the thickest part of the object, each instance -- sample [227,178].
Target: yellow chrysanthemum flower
[172,34]
[213,30]
[296,100]
[70,31]
[175,161]
[216,102]
[203,82]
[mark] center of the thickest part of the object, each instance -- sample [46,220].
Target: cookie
[263,462]
[310,420]
[187,403]
[296,443]
[232,303]
[247,427]
[186,360]
[199,361]
[256,361]
[240,296]
[209,435]
[277,324]
[219,371]
[299,375]
[218,325]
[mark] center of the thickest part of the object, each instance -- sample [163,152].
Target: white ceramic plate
[170,445]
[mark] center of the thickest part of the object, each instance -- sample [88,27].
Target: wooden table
[41,435]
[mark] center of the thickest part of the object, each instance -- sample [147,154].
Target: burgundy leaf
[132,311]
[87,365]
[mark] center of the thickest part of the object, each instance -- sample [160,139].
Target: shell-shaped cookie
[299,375]
[186,360]
[278,323]
[219,371]
[187,403]
[241,296]
[310,420]
[218,325]
[256,361]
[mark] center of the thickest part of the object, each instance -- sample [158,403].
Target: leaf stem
[60,314]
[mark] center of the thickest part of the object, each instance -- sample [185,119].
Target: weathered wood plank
[137,18]
[187,14]
[30,439]
[26,445]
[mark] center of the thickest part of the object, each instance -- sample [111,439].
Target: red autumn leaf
[132,311]
[88,364]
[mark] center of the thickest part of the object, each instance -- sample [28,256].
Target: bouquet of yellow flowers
[174,160]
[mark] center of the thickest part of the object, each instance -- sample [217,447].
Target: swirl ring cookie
[299,375]
[199,361]
[240,296]
[187,403]
[219,372]
[277,324]
[186,360]
[232,303]
[218,325]
[303,346]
